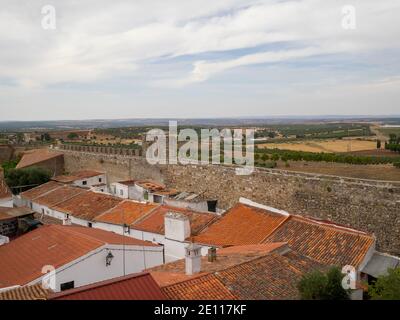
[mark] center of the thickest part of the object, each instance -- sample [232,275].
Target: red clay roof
[207,287]
[174,272]
[58,195]
[327,243]
[22,259]
[126,212]
[5,191]
[34,292]
[273,275]
[150,185]
[88,205]
[78,175]
[241,225]
[154,222]
[40,190]
[33,157]
[132,287]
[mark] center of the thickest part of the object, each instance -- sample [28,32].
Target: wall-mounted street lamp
[109,258]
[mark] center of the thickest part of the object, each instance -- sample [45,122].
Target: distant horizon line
[317,116]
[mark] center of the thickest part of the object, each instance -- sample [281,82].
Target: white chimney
[193,259]
[177,226]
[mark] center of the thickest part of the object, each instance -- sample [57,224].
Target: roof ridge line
[47,192]
[333,225]
[276,228]
[146,215]
[57,203]
[70,229]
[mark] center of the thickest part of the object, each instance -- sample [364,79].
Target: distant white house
[83,178]
[142,190]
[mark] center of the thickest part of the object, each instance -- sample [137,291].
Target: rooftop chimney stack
[177,226]
[193,259]
[212,254]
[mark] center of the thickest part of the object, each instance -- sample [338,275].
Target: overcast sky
[203,58]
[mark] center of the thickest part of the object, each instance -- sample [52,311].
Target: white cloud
[99,39]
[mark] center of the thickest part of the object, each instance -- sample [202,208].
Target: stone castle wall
[372,206]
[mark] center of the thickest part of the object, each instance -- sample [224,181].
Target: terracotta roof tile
[154,222]
[126,212]
[272,277]
[22,259]
[40,190]
[208,287]
[150,185]
[37,156]
[173,272]
[325,242]
[58,195]
[241,225]
[132,287]
[34,292]
[88,205]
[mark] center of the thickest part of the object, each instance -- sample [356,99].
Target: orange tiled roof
[173,272]
[37,156]
[241,225]
[126,212]
[78,175]
[325,242]
[58,195]
[88,205]
[271,277]
[40,190]
[150,185]
[22,259]
[131,287]
[207,287]
[154,222]
[34,292]
[5,191]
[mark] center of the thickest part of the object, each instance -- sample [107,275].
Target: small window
[42,211]
[100,180]
[67,285]
[84,183]
[121,192]
[146,195]
[89,224]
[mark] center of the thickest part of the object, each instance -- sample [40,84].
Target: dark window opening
[212,205]
[100,179]
[89,224]
[67,285]
[84,183]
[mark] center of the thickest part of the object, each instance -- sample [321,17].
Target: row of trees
[24,179]
[285,155]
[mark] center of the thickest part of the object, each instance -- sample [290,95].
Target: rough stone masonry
[368,205]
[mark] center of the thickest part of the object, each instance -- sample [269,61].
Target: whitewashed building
[87,256]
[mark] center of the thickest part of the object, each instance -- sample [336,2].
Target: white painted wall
[120,190]
[92,267]
[91,181]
